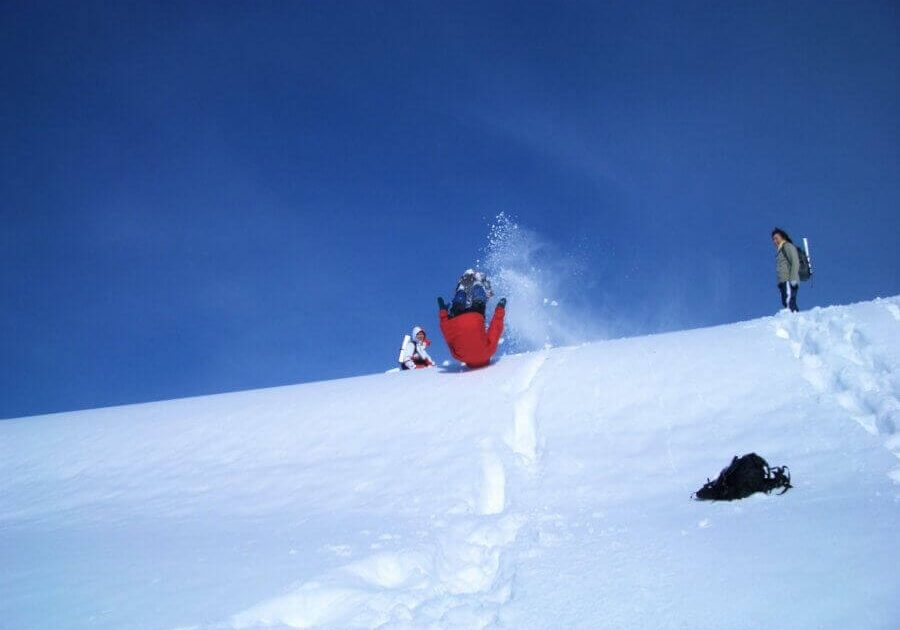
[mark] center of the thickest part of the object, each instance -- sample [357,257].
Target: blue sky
[204,197]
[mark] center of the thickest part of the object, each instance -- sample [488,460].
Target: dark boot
[459,304]
[479,299]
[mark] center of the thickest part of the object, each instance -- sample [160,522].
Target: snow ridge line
[841,364]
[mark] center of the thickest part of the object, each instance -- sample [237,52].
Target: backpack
[805,270]
[745,476]
[406,340]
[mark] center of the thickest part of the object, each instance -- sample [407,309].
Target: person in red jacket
[463,323]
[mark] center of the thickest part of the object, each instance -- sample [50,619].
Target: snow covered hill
[551,490]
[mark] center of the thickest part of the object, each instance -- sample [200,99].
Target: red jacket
[467,338]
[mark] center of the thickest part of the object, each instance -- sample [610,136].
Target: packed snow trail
[550,490]
[458,577]
[843,365]
[524,437]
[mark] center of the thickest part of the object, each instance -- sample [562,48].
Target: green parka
[787,263]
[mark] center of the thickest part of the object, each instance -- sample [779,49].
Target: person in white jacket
[414,353]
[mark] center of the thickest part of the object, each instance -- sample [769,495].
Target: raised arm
[495,330]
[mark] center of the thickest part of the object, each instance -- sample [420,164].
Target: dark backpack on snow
[745,476]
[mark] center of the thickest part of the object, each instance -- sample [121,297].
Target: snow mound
[551,490]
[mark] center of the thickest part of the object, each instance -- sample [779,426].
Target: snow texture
[550,490]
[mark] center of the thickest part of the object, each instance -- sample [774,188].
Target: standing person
[463,322]
[414,354]
[787,268]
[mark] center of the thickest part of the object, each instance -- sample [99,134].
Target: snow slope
[550,490]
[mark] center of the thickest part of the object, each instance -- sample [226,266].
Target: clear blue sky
[201,197]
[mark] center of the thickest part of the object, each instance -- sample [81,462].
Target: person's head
[779,236]
[418,333]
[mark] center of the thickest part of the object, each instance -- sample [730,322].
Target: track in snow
[461,579]
[842,364]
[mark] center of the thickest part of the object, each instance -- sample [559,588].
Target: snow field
[460,579]
[841,363]
[550,490]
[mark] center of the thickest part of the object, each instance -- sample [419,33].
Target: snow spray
[541,284]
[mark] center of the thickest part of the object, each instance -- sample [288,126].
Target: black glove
[441,304]
[501,303]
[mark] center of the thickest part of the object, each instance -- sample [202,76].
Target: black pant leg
[782,286]
[793,301]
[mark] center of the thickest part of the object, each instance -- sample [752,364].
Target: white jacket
[415,347]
